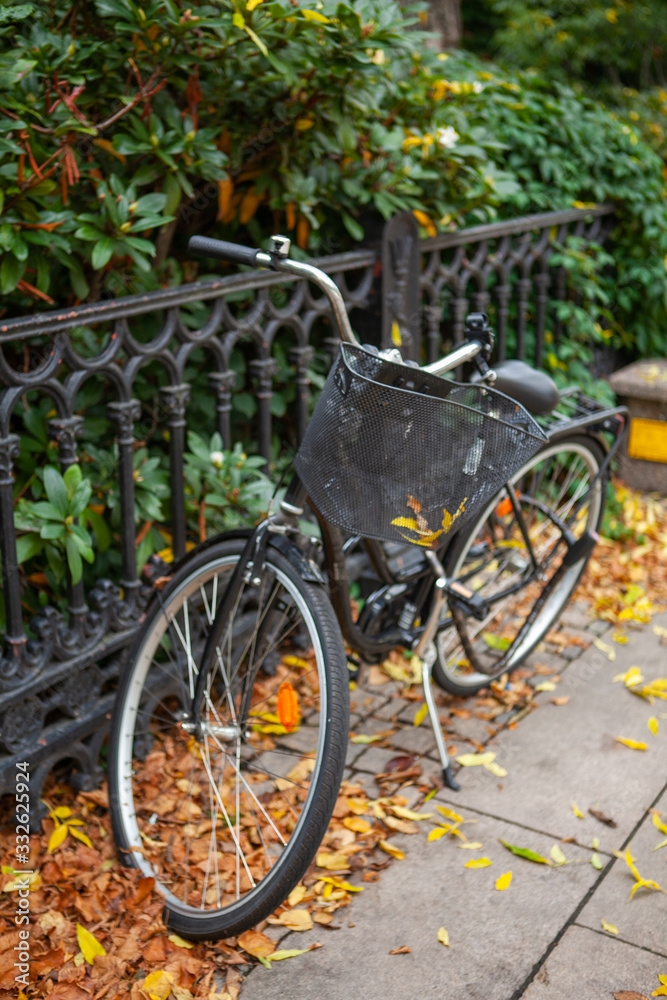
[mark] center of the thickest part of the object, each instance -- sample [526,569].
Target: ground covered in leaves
[97,929]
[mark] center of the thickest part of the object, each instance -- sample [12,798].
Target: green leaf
[56,490]
[72,479]
[11,272]
[28,546]
[73,558]
[52,530]
[525,852]
[102,253]
[355,230]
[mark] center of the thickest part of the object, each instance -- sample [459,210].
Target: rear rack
[577,411]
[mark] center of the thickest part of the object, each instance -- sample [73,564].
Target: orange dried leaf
[288,706]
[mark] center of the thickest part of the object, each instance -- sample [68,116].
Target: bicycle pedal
[581,548]
[469,601]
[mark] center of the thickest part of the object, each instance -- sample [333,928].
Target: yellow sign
[648,440]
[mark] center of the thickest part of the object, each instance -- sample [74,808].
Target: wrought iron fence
[57,670]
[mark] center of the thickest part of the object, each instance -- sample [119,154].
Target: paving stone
[473,729]
[374,760]
[557,755]
[496,937]
[600,627]
[641,920]
[367,703]
[352,753]
[589,966]
[417,739]
[576,615]
[398,707]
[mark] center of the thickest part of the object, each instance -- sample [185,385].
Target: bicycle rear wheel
[493,560]
[228,821]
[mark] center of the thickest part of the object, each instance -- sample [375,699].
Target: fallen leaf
[652,724]
[58,836]
[296,920]
[158,985]
[89,945]
[471,845]
[545,686]
[557,855]
[576,810]
[630,677]
[640,882]
[596,862]
[450,814]
[602,818]
[561,701]
[609,927]
[404,950]
[340,884]
[472,759]
[280,956]
[657,822]
[662,989]
[478,863]
[525,852]
[409,813]
[609,652]
[256,944]
[629,995]
[437,833]
[503,881]
[332,862]
[390,849]
[179,941]
[496,769]
[296,895]
[633,744]
[420,715]
[443,937]
[357,824]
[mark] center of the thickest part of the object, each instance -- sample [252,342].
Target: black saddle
[532,388]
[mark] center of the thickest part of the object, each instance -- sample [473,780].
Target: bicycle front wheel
[227,819]
[524,598]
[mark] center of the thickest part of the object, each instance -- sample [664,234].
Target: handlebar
[277,260]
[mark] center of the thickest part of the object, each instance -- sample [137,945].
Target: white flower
[447,136]
[477,87]
[218,459]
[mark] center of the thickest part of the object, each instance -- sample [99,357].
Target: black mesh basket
[395,453]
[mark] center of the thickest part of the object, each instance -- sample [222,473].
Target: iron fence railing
[57,670]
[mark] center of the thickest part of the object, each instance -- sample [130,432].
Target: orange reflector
[505,507]
[288,706]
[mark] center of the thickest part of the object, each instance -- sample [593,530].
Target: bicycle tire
[490,555]
[257,810]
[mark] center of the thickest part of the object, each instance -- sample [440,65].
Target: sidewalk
[543,936]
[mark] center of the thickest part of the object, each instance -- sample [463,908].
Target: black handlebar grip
[207,247]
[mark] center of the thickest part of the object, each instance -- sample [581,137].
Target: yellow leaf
[279,956]
[179,941]
[557,855]
[225,192]
[295,661]
[390,849]
[472,845]
[633,744]
[251,4]
[424,220]
[357,824]
[496,769]
[358,806]
[609,652]
[653,725]
[296,895]
[657,822]
[409,814]
[62,812]
[341,884]
[546,686]
[406,522]
[503,881]
[576,810]
[33,881]
[366,739]
[450,814]
[443,937]
[237,20]
[84,838]
[58,836]
[297,920]
[314,15]
[630,677]
[89,945]
[478,863]
[437,833]
[396,334]
[332,862]
[158,985]
[630,861]
[609,927]
[420,715]
[471,759]
[596,862]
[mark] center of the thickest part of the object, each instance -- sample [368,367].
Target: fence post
[401,317]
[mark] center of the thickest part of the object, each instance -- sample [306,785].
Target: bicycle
[230,727]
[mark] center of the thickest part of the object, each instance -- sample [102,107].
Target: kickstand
[428,660]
